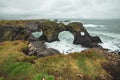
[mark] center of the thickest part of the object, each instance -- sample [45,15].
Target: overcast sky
[88,9]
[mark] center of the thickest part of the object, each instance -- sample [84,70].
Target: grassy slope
[14,65]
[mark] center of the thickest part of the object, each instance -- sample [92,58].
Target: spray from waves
[111,41]
[93,25]
[110,45]
[65,45]
[113,35]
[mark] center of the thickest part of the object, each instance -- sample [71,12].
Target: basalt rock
[13,33]
[23,29]
[37,48]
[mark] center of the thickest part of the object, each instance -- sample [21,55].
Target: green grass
[1,78]
[13,62]
[17,69]
[15,65]
[45,76]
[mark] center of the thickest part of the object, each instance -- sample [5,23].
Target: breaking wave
[93,25]
[111,41]
[108,34]
[65,45]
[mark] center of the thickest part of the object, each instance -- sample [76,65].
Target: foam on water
[117,36]
[37,34]
[110,41]
[92,25]
[65,45]
[110,45]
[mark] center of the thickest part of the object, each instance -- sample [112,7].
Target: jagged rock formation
[38,49]
[22,30]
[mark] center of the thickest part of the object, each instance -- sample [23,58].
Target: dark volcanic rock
[47,52]
[38,49]
[96,39]
[12,31]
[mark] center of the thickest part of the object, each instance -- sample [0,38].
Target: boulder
[47,52]
[37,48]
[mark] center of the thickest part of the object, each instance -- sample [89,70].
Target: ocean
[107,29]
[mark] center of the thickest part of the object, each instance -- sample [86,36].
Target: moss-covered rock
[76,26]
[22,30]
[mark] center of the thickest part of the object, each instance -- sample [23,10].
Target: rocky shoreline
[80,65]
[12,30]
[22,30]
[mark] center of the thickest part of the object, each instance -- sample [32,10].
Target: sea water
[107,30]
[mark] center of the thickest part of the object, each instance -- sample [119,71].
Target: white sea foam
[117,36]
[37,34]
[65,45]
[110,45]
[110,41]
[66,36]
[93,25]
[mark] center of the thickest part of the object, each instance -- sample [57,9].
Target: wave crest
[93,25]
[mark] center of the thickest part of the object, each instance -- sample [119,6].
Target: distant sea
[107,29]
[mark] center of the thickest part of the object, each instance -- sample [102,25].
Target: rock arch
[52,31]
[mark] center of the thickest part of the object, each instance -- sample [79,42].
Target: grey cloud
[25,9]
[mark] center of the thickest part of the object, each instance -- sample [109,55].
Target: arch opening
[37,34]
[65,43]
[66,36]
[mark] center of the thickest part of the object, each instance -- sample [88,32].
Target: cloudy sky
[85,9]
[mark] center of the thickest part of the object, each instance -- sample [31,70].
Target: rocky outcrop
[51,30]
[13,33]
[37,48]
[111,64]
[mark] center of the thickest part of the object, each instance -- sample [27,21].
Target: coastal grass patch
[42,76]
[89,63]
[1,78]
[13,63]
[72,65]
[20,23]
[12,50]
[61,66]
[18,69]
[13,23]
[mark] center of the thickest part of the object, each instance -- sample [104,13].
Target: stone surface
[51,30]
[37,48]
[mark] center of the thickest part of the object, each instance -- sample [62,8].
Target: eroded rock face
[14,33]
[113,67]
[37,48]
[50,30]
